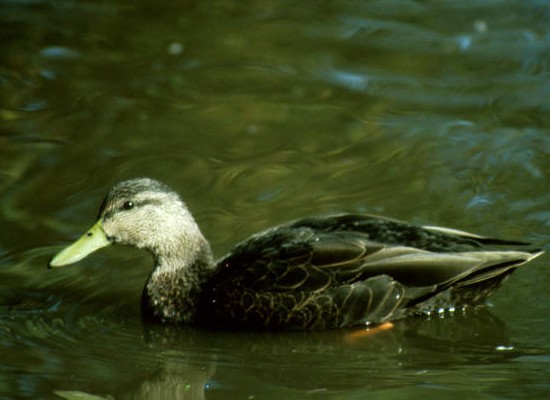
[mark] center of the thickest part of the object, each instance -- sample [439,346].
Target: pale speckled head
[147,214]
[143,213]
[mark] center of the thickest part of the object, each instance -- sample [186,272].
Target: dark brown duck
[314,273]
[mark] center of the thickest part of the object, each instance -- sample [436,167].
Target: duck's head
[143,213]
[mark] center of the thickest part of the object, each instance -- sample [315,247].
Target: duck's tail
[475,287]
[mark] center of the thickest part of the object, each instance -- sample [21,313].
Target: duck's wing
[340,277]
[315,254]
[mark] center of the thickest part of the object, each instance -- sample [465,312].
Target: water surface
[260,112]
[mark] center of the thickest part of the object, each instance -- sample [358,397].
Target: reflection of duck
[314,273]
[177,377]
[196,363]
[417,352]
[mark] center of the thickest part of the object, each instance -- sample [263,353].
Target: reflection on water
[258,113]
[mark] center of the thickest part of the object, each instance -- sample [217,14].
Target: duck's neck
[170,294]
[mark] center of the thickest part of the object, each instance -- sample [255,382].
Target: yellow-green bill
[94,239]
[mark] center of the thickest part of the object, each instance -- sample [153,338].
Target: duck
[323,272]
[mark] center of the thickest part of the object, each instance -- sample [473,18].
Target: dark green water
[260,112]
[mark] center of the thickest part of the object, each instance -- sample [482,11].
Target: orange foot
[358,334]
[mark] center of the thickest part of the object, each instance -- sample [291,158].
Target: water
[259,113]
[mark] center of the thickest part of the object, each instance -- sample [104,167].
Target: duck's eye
[128,205]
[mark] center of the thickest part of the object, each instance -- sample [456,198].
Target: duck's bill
[94,239]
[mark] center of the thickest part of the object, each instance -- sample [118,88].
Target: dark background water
[259,112]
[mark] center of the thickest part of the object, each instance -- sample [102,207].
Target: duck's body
[315,273]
